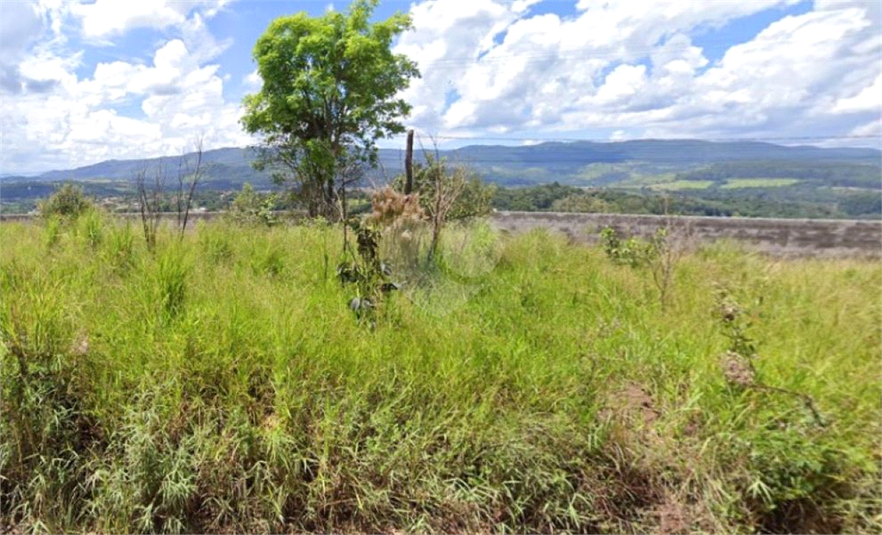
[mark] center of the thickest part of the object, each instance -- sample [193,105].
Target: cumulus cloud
[616,66]
[54,118]
[20,23]
[105,18]
[618,70]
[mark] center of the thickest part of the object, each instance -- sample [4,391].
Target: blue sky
[85,82]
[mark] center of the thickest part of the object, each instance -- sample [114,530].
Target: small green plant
[660,254]
[53,231]
[364,271]
[269,261]
[632,252]
[738,360]
[120,246]
[91,228]
[216,244]
[171,282]
[735,321]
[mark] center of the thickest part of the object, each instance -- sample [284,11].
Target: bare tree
[408,164]
[150,194]
[188,178]
[445,190]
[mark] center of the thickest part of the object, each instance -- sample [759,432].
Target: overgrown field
[222,384]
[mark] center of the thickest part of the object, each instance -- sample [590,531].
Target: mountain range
[665,164]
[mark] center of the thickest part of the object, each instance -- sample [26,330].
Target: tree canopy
[329,93]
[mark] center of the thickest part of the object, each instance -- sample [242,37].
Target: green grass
[683,185]
[222,384]
[738,183]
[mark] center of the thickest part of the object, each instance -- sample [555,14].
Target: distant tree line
[829,173]
[789,202]
[556,197]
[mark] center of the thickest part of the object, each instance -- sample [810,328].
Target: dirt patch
[637,402]
[634,415]
[672,516]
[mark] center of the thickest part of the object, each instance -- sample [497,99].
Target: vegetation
[223,385]
[253,208]
[660,254]
[700,178]
[683,184]
[437,178]
[772,200]
[759,183]
[830,173]
[68,201]
[329,92]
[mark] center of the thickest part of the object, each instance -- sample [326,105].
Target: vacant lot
[222,384]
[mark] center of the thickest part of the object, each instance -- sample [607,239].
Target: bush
[68,201]
[631,252]
[253,208]
[473,196]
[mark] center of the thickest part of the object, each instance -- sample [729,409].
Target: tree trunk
[408,164]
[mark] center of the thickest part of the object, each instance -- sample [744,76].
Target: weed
[91,227]
[120,248]
[660,255]
[171,282]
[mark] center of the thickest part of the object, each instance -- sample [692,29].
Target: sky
[83,82]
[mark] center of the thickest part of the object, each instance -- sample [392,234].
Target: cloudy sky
[114,79]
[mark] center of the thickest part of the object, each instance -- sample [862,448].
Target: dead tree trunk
[408,164]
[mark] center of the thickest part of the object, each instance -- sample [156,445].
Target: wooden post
[408,164]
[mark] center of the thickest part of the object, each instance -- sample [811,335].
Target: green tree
[329,93]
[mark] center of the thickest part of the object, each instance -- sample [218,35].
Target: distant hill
[221,164]
[697,166]
[500,162]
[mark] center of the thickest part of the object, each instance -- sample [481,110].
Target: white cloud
[624,82]
[872,128]
[252,82]
[108,17]
[489,67]
[121,110]
[868,99]
[617,65]
[105,18]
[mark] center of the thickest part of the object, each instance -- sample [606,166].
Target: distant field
[222,384]
[737,183]
[852,189]
[683,185]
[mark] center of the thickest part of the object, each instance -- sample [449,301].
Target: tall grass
[221,383]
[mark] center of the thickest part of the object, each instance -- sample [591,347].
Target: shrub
[660,254]
[253,208]
[472,196]
[68,201]
[632,252]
